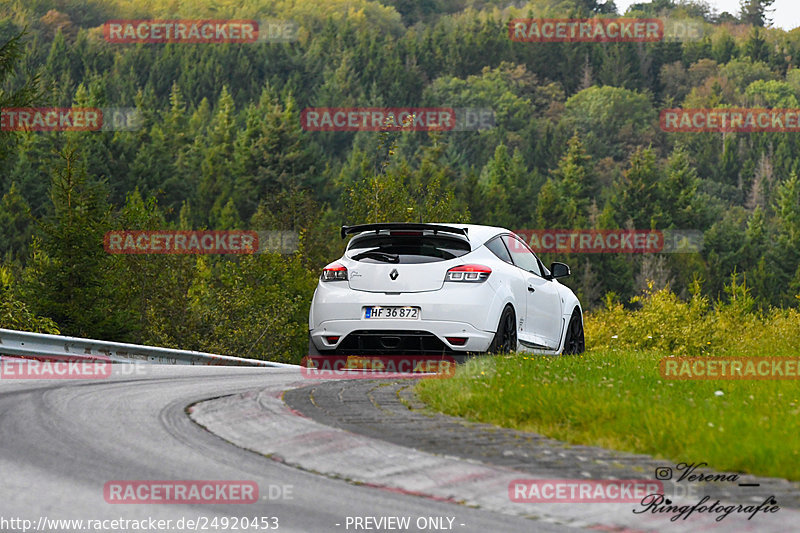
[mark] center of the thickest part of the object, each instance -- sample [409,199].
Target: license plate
[392,312]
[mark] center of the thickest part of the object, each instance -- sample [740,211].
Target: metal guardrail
[27,344]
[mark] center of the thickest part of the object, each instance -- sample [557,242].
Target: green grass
[614,396]
[617,399]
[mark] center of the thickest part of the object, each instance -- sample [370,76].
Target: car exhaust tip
[390,342]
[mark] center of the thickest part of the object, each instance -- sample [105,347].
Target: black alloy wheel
[574,343]
[505,339]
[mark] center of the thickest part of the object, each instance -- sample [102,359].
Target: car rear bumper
[398,337]
[467,303]
[457,310]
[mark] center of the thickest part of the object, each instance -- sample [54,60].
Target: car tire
[505,338]
[574,342]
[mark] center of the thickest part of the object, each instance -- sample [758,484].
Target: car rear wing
[410,226]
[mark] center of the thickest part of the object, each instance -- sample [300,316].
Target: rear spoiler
[435,228]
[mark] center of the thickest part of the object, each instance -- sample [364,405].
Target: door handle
[531,289]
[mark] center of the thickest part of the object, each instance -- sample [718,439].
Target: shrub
[666,323]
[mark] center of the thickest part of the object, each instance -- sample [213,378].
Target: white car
[450,289]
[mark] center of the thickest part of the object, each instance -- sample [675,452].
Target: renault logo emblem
[393,274]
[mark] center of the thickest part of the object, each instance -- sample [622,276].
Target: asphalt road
[62,441]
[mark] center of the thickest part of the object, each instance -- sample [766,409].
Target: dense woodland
[577,144]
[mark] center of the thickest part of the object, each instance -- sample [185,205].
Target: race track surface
[61,441]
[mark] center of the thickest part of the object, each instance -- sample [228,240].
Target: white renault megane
[404,288]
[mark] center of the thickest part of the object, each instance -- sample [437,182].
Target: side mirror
[559,270]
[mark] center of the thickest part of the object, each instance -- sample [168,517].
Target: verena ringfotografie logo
[70,119]
[731,120]
[690,476]
[582,490]
[604,30]
[658,503]
[396,119]
[594,241]
[199,31]
[376,366]
[181,492]
[199,242]
[713,368]
[55,367]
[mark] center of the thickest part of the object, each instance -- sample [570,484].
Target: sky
[786,13]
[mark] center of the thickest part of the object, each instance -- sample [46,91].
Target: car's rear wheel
[574,342]
[505,339]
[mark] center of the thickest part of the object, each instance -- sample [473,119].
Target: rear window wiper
[375,254]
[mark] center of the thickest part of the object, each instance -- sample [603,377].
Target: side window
[499,249]
[522,255]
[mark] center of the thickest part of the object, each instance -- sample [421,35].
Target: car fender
[503,295]
[311,324]
[569,303]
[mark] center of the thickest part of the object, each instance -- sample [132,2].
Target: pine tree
[15,225]
[272,154]
[723,48]
[683,207]
[756,46]
[67,276]
[26,92]
[755,12]
[216,181]
[565,199]
[638,191]
[16,314]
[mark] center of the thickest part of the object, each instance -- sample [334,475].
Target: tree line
[577,144]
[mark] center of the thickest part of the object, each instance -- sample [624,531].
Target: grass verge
[616,398]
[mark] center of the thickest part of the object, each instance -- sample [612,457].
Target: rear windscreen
[405,249]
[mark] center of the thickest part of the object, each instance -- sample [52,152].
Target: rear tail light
[457,341]
[468,273]
[331,339]
[334,272]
